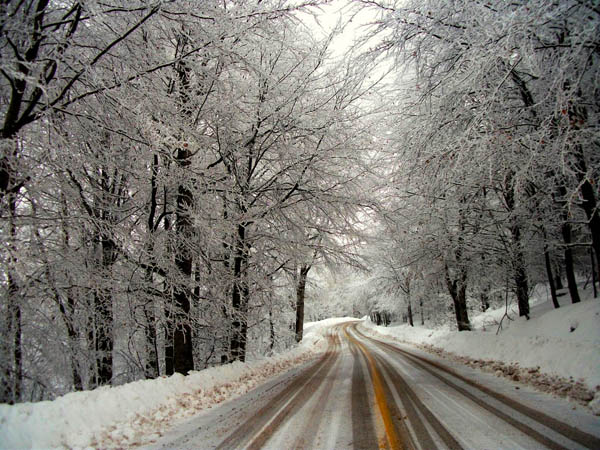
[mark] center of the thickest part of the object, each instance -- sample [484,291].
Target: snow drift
[560,342]
[122,415]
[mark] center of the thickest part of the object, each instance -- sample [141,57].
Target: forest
[183,182]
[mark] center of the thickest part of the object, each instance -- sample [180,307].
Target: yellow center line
[390,430]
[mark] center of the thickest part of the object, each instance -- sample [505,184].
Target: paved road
[368,394]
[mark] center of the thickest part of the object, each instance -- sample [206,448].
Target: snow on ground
[561,344]
[124,414]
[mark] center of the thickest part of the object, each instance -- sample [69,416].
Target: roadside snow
[562,342]
[122,415]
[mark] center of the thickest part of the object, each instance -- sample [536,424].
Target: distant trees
[497,149]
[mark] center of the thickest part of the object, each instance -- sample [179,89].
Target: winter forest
[183,182]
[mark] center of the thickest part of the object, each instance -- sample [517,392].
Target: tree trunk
[422,313]
[410,314]
[13,373]
[485,299]
[550,277]
[590,207]
[91,346]
[6,361]
[169,349]
[151,368]
[458,292]
[13,365]
[103,309]
[72,333]
[520,273]
[180,326]
[569,265]
[558,269]
[226,316]
[239,297]
[518,259]
[300,291]
[18,355]
[183,357]
[271,329]
[68,312]
[593,272]
[521,284]
[589,202]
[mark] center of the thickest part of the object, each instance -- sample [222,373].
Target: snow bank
[563,342]
[122,415]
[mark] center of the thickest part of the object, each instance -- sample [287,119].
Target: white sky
[341,12]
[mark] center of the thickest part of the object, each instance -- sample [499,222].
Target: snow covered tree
[500,97]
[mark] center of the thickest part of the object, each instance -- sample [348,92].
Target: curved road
[364,393]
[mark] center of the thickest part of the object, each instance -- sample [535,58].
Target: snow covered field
[109,415]
[560,344]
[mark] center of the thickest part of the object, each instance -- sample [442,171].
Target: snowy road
[365,393]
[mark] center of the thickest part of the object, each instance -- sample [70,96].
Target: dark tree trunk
[593,272]
[68,312]
[422,313]
[550,277]
[18,355]
[589,202]
[13,365]
[458,292]
[460,308]
[151,369]
[271,329]
[72,332]
[103,309]
[518,259]
[6,390]
[590,206]
[152,366]
[521,284]
[558,269]
[227,320]
[239,297]
[13,376]
[91,346]
[183,357]
[485,299]
[300,291]
[169,349]
[569,264]
[410,314]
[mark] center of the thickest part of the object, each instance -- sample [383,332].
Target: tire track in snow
[397,435]
[308,434]
[416,408]
[362,418]
[452,379]
[418,417]
[270,416]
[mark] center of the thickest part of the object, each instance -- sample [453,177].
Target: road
[364,393]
